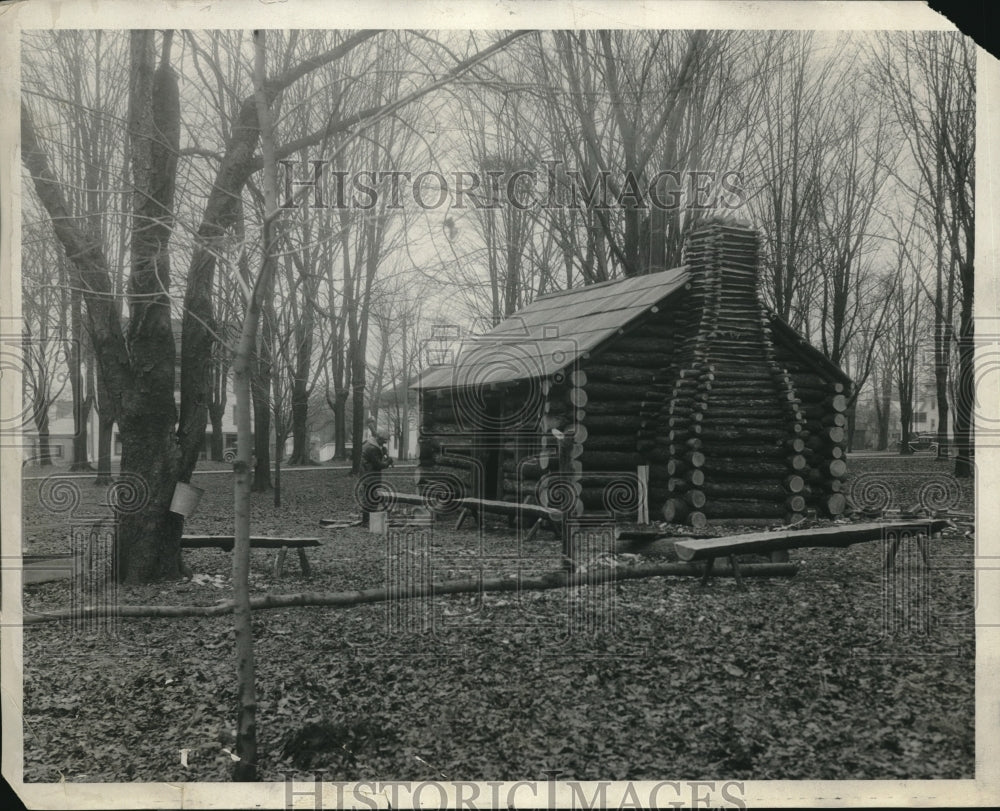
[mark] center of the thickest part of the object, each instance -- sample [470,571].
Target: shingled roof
[553,331]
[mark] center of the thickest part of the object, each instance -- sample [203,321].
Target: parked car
[921,442]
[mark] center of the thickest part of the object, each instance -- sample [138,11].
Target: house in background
[61,431]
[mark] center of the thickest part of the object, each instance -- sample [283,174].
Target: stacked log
[736,443]
[823,404]
[732,423]
[827,446]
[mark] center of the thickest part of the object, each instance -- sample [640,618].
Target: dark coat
[373,457]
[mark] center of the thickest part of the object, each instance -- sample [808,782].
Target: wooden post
[642,475]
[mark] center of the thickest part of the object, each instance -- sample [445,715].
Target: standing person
[374,459]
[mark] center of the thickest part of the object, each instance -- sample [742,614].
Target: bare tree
[928,81]
[160,445]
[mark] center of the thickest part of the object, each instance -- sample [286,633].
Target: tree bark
[260,392]
[148,541]
[217,444]
[82,390]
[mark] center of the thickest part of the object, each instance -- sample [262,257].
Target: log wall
[733,422]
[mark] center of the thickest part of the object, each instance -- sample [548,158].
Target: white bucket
[377,522]
[186,498]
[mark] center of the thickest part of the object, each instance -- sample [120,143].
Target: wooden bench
[225,543]
[708,549]
[475,507]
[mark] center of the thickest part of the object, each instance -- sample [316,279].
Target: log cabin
[676,395]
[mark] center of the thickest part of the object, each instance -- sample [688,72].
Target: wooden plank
[509,507]
[702,548]
[225,542]
[643,476]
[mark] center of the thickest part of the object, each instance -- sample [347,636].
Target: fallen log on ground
[346,599]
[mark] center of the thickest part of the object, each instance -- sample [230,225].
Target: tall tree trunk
[148,540]
[883,405]
[81,440]
[217,402]
[42,426]
[245,769]
[278,451]
[301,388]
[105,437]
[966,400]
[852,422]
[942,338]
[340,423]
[261,423]
[905,423]
[82,402]
[300,427]
[261,393]
[358,421]
[105,431]
[404,422]
[217,444]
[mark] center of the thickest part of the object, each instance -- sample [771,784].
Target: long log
[609,442]
[690,431]
[440,588]
[742,489]
[753,468]
[750,397]
[610,460]
[621,374]
[744,508]
[649,360]
[738,434]
[711,421]
[747,377]
[614,423]
[815,397]
[815,381]
[729,450]
[616,391]
[598,480]
[726,411]
[596,406]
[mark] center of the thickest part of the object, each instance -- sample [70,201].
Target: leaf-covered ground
[836,673]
